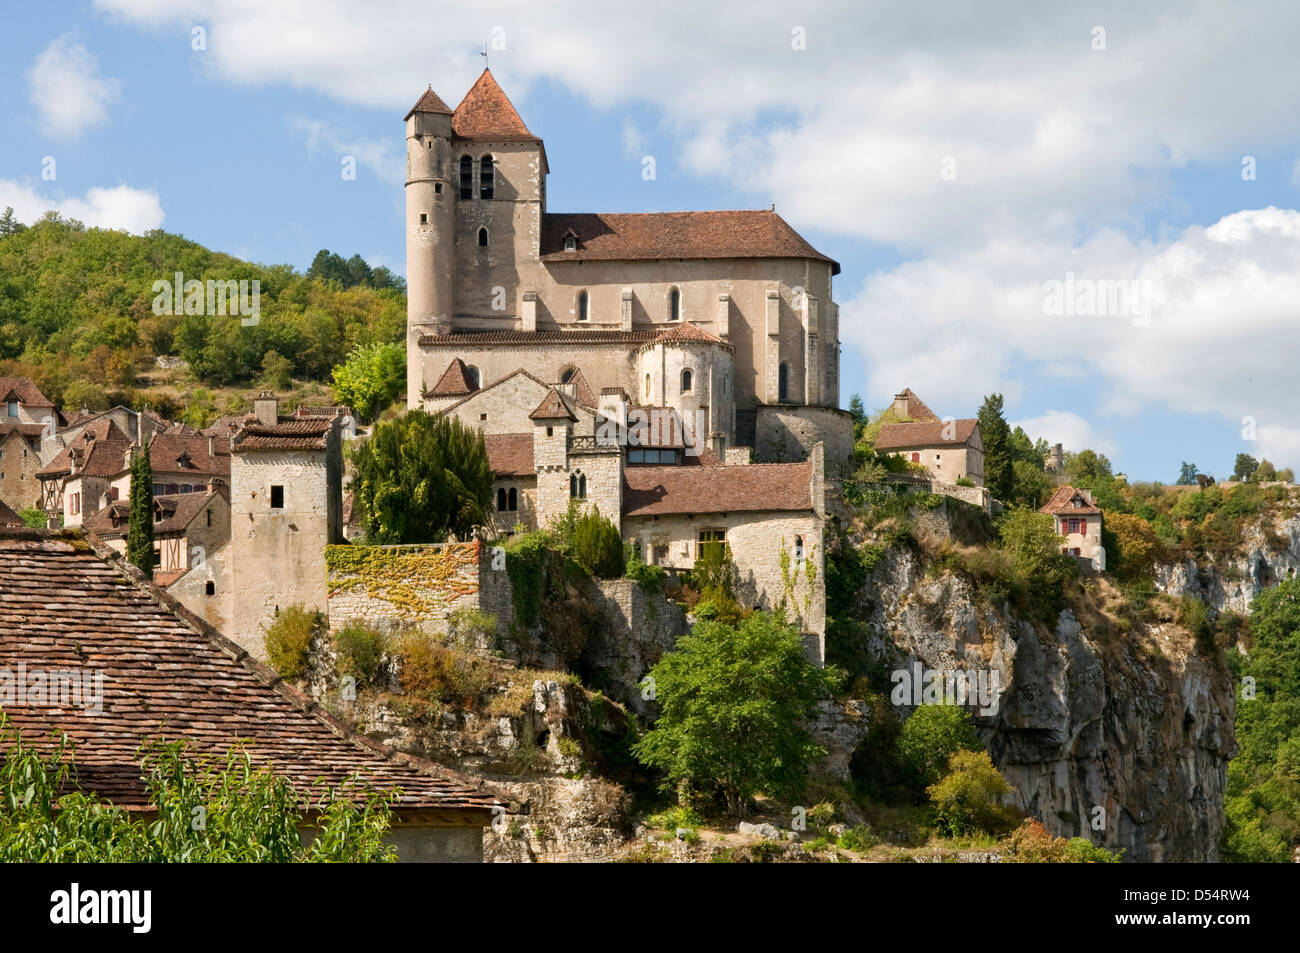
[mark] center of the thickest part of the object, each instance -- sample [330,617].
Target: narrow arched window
[513,503]
[647,386]
[686,380]
[674,305]
[583,308]
[567,375]
[578,486]
[798,548]
[482,238]
[485,179]
[466,177]
[783,381]
[501,500]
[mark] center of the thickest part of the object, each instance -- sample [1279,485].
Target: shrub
[361,650]
[436,673]
[1031,843]
[969,798]
[288,640]
[469,627]
[1193,616]
[35,517]
[597,546]
[930,738]
[651,578]
[860,839]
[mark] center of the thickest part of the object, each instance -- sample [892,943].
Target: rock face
[1120,737]
[1232,585]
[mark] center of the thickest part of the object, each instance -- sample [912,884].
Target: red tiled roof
[927,433]
[429,102]
[553,405]
[324,410]
[487,113]
[454,382]
[69,606]
[660,491]
[99,450]
[171,452]
[915,407]
[8,517]
[23,389]
[177,510]
[27,430]
[685,333]
[1061,503]
[510,454]
[227,425]
[629,236]
[291,433]
[582,389]
[565,338]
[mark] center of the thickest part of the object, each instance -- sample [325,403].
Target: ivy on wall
[416,581]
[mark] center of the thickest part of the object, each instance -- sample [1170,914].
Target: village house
[186,528]
[1079,520]
[79,479]
[8,517]
[950,449]
[25,414]
[141,666]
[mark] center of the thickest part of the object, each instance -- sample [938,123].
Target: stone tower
[430,229]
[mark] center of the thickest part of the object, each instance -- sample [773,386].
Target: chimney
[266,408]
[900,405]
[212,487]
[212,445]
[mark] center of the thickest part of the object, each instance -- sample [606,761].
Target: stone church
[677,370]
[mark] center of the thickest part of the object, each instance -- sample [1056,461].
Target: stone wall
[786,434]
[392,587]
[191,589]
[19,464]
[636,628]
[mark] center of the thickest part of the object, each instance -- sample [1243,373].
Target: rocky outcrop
[1268,556]
[1119,736]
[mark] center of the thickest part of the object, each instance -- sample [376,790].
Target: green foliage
[969,798]
[209,810]
[1132,547]
[86,395]
[139,536]
[1245,467]
[371,378]
[1193,616]
[469,627]
[35,517]
[859,839]
[420,478]
[1186,474]
[999,475]
[277,371]
[1038,570]
[651,578]
[859,413]
[1262,801]
[734,701]
[288,640]
[526,559]
[352,273]
[929,739]
[1031,843]
[361,651]
[597,546]
[433,673]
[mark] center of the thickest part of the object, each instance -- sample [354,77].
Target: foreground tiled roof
[429,102]
[454,381]
[928,433]
[67,602]
[660,491]
[99,450]
[545,338]
[915,407]
[623,236]
[8,517]
[487,113]
[510,454]
[1061,503]
[291,433]
[25,390]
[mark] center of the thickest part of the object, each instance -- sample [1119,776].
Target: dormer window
[485,178]
[13,408]
[570,242]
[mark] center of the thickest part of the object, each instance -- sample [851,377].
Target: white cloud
[66,90]
[1224,325]
[1068,428]
[380,156]
[120,207]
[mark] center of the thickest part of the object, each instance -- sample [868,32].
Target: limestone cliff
[1269,553]
[1094,713]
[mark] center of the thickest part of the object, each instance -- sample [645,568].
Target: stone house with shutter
[1079,520]
[950,449]
[25,414]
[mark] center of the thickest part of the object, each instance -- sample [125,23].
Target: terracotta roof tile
[99,450]
[510,454]
[659,491]
[27,430]
[685,333]
[69,606]
[669,235]
[454,382]
[1062,503]
[23,389]
[171,452]
[583,390]
[914,407]
[487,113]
[926,433]
[291,433]
[429,102]
[553,405]
[176,509]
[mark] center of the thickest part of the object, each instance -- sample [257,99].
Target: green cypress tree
[139,536]
[996,434]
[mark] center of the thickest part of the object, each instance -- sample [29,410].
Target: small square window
[424,218]
[482,416]
[437,186]
[550,431]
[277,497]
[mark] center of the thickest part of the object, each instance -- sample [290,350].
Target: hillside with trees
[77,315]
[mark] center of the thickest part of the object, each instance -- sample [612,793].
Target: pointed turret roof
[487,113]
[430,102]
[554,406]
[454,382]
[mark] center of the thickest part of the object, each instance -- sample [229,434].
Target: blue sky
[953,161]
